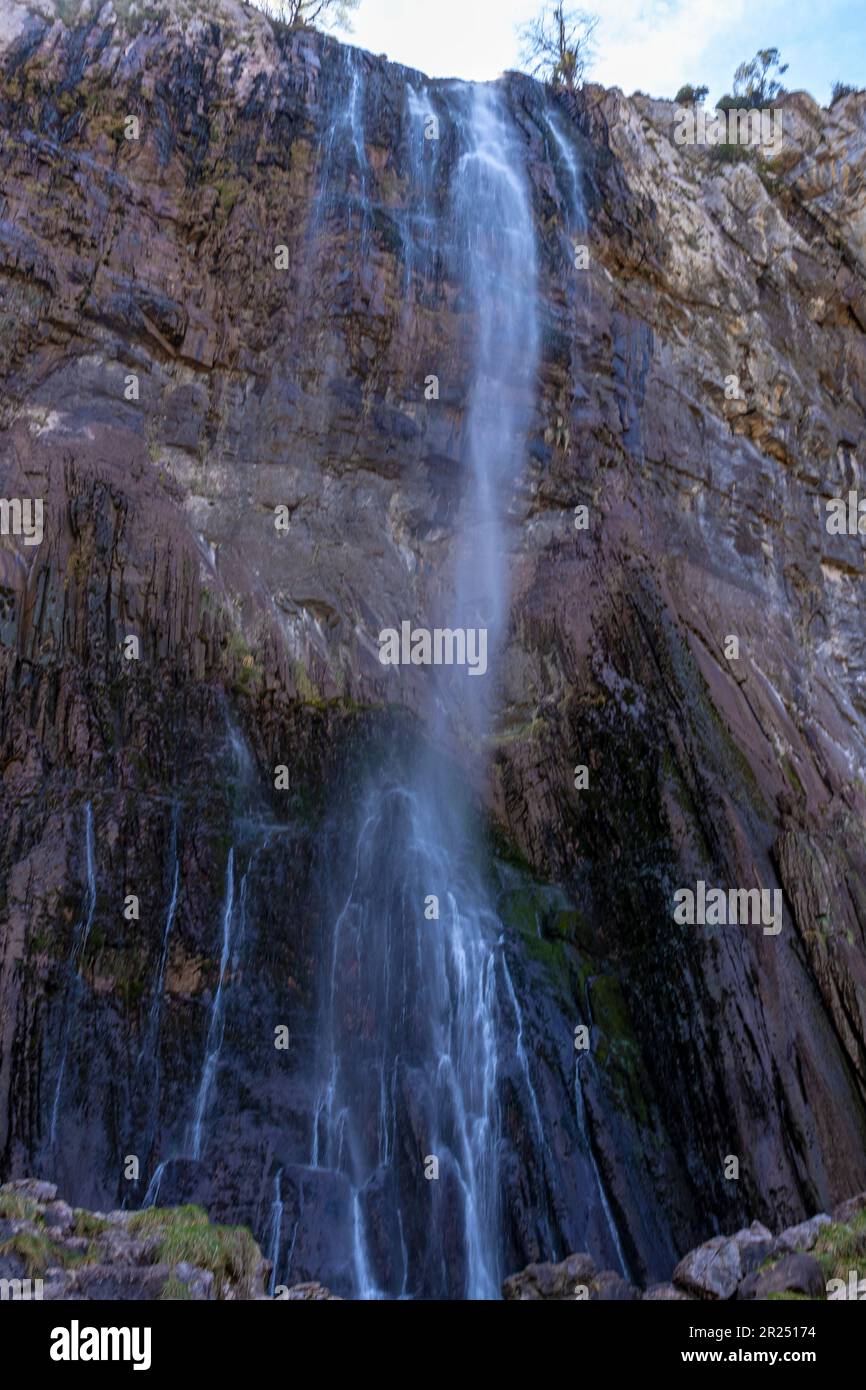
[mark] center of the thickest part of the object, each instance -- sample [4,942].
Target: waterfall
[82,933]
[276,1228]
[583,1124]
[546,1158]
[497,261]
[580,1106]
[233,926]
[79,945]
[154,1185]
[419,223]
[345,133]
[567,158]
[409,1016]
[215,1026]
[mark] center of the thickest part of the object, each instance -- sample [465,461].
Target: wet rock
[114,1260]
[666,1293]
[160,518]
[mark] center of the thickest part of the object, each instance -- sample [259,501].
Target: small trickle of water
[575,208]
[216,1024]
[276,1229]
[580,1107]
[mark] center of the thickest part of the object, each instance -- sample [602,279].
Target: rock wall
[154,258]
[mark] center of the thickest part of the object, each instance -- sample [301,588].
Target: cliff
[170,379]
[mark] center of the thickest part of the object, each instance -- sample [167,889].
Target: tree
[753,83]
[557,46]
[298,14]
[840,90]
[690,96]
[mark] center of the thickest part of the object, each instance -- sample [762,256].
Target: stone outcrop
[164,389]
[811,1261]
[156,1254]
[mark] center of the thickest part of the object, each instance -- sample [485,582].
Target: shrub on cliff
[299,14]
[690,96]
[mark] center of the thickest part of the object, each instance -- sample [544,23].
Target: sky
[653,46]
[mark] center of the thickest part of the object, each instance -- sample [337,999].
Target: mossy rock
[841,1247]
[186,1234]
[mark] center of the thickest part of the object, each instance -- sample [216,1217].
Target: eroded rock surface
[154,259]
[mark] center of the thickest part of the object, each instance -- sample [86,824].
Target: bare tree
[557,45]
[306,13]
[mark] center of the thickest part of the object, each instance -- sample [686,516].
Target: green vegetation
[86,1224]
[301,14]
[756,82]
[841,1247]
[690,96]
[16,1208]
[186,1234]
[39,1252]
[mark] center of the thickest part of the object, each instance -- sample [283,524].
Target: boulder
[609,1287]
[33,1188]
[846,1211]
[795,1273]
[803,1236]
[717,1268]
[554,1282]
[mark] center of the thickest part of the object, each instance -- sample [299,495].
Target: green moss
[545,931]
[841,1247]
[86,1224]
[791,774]
[39,1252]
[175,1290]
[788,1297]
[155,1220]
[228,192]
[14,1207]
[186,1234]
[609,1007]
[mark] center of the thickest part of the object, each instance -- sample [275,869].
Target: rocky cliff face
[225,281]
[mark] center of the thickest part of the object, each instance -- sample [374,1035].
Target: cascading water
[233,924]
[233,929]
[215,1026]
[276,1227]
[580,1106]
[410,1017]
